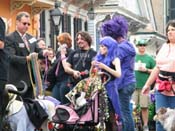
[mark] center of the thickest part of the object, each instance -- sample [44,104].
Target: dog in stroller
[17,118]
[88,108]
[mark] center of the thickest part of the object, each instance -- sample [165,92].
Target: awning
[155,40]
[135,21]
[152,36]
[40,5]
[18,4]
[36,5]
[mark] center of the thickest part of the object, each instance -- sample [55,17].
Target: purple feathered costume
[112,47]
[117,28]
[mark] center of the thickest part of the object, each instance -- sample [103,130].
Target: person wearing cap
[3,72]
[144,63]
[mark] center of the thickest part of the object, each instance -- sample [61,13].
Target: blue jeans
[163,101]
[125,94]
[59,91]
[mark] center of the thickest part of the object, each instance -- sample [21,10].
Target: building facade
[146,18]
[10,8]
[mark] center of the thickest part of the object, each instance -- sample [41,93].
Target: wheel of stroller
[91,128]
[6,125]
[101,126]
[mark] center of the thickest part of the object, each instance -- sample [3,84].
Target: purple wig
[116,27]
[112,47]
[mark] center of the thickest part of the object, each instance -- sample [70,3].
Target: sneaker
[145,128]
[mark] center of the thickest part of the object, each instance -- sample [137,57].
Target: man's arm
[1,44]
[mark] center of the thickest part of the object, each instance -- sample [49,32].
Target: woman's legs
[60,90]
[111,124]
[125,94]
[64,89]
[113,95]
[55,91]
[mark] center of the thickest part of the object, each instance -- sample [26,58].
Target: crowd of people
[132,73]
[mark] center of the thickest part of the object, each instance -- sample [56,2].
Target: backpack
[36,113]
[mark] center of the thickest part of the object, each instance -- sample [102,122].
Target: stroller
[88,109]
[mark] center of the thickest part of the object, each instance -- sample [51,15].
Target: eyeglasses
[142,45]
[25,23]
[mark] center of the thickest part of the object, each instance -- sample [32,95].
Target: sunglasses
[25,23]
[142,45]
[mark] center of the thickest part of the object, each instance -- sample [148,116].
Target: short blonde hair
[65,38]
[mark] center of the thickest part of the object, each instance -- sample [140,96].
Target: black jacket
[3,67]
[17,52]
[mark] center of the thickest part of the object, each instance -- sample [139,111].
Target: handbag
[36,113]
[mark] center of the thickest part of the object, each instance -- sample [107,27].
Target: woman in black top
[56,76]
[107,61]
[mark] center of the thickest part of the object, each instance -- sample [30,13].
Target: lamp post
[91,23]
[91,14]
[56,16]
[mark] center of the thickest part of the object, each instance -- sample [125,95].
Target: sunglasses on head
[25,23]
[142,45]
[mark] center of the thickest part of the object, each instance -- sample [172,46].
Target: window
[77,27]
[171,10]
[66,23]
